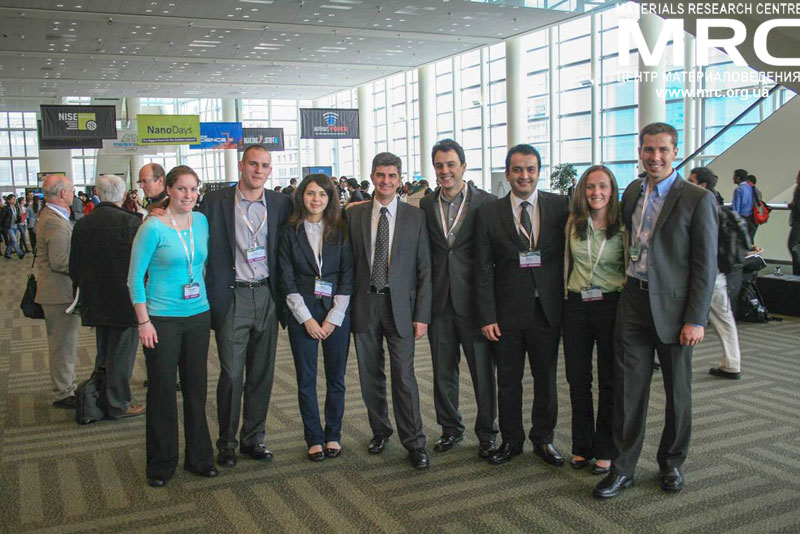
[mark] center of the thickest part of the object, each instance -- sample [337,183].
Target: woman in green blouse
[594,273]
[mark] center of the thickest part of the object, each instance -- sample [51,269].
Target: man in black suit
[391,301]
[450,215]
[663,308]
[242,282]
[519,253]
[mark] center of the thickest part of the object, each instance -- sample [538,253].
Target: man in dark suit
[9,225]
[450,216]
[663,308]
[519,252]
[242,281]
[392,301]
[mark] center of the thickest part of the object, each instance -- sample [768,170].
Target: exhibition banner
[168,129]
[219,135]
[269,138]
[329,123]
[126,144]
[59,144]
[78,122]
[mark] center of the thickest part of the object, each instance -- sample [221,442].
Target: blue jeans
[12,241]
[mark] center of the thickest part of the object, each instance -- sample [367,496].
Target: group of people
[503,280]
[18,223]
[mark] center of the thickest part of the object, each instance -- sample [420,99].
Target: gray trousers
[246,343]
[62,343]
[116,353]
[447,334]
[371,364]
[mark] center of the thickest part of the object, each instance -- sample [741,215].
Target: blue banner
[219,135]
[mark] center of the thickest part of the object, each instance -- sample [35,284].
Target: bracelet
[144,323]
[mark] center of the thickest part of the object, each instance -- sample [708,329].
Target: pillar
[651,85]
[56,161]
[366,127]
[427,120]
[516,97]
[133,106]
[231,156]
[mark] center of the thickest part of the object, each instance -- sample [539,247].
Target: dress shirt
[295,302]
[609,275]
[743,199]
[376,217]
[655,203]
[255,210]
[64,212]
[450,208]
[533,212]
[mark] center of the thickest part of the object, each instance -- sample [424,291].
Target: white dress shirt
[533,213]
[295,302]
[376,217]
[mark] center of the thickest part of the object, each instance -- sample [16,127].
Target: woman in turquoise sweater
[170,249]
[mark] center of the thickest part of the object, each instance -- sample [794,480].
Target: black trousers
[116,354]
[586,324]
[540,342]
[182,344]
[636,345]
[447,335]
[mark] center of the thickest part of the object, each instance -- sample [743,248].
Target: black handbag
[30,308]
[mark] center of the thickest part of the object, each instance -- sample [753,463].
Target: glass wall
[19,150]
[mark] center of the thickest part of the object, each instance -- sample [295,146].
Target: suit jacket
[681,258]
[409,267]
[219,208]
[452,266]
[7,217]
[53,237]
[298,266]
[506,292]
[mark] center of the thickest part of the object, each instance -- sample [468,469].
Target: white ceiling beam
[151,83]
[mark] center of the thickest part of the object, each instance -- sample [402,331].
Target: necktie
[525,221]
[380,264]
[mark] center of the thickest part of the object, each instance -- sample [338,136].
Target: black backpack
[91,399]
[734,240]
[751,307]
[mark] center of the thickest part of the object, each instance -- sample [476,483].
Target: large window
[19,150]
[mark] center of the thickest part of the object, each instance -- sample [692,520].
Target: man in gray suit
[663,308]
[392,301]
[54,289]
[450,215]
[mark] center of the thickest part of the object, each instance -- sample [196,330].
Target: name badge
[255,254]
[191,291]
[633,252]
[531,258]
[323,288]
[591,294]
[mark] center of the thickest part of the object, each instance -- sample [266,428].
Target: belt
[252,285]
[637,283]
[384,291]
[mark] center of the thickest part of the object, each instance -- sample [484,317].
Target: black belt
[384,291]
[637,283]
[252,285]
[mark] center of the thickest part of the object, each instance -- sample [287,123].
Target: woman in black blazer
[316,267]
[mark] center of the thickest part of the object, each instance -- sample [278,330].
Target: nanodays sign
[672,30]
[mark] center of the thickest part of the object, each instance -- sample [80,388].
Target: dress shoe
[316,456]
[133,411]
[672,479]
[68,403]
[716,371]
[331,452]
[446,442]
[486,448]
[612,485]
[156,482]
[598,470]
[548,453]
[377,444]
[211,472]
[504,454]
[419,458]
[257,452]
[579,464]
[226,458]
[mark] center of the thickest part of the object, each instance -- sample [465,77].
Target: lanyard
[522,229]
[599,254]
[458,215]
[253,233]
[644,212]
[189,257]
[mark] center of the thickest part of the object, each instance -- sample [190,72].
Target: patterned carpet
[743,472]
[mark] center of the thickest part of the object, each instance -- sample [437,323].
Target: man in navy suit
[242,282]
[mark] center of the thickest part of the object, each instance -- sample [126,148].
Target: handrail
[783,206]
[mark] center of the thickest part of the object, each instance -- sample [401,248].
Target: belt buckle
[643,284]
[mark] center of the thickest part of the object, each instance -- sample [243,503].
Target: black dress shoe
[257,452]
[672,479]
[377,444]
[211,472]
[316,456]
[226,457]
[504,454]
[716,371]
[156,482]
[419,458]
[446,442]
[486,448]
[597,470]
[579,464]
[68,403]
[548,453]
[612,485]
[330,452]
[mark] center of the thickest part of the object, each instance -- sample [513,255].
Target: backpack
[751,307]
[91,399]
[760,208]
[734,241]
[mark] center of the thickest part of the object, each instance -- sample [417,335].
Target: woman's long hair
[580,213]
[171,178]
[332,217]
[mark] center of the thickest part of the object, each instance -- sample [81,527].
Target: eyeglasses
[142,182]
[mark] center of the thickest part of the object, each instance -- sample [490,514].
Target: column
[689,103]
[516,97]
[322,147]
[56,161]
[427,121]
[366,126]
[651,86]
[231,157]
[133,107]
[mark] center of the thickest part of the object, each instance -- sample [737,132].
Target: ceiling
[286,49]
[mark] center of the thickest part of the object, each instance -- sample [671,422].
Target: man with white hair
[54,291]
[98,266]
